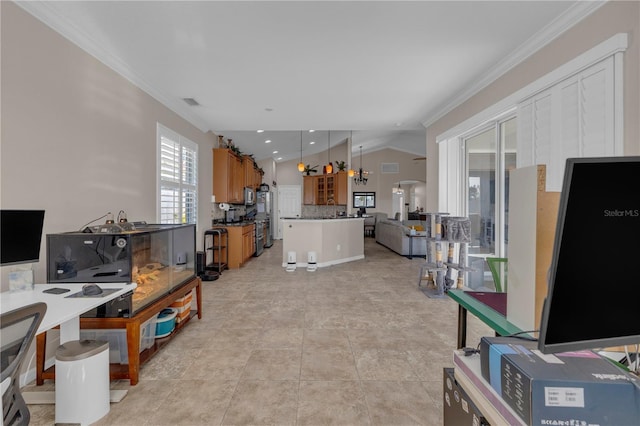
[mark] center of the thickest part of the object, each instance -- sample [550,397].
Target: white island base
[334,241]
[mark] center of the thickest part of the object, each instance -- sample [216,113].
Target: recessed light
[312,142]
[267,141]
[279,158]
[275,152]
[311,131]
[260,131]
[191,101]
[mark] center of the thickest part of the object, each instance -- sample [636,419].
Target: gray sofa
[393,234]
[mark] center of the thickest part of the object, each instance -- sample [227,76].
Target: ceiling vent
[191,101]
[389,167]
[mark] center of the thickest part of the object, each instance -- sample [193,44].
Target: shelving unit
[216,249]
[436,271]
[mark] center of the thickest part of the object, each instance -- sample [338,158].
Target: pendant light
[301,164]
[329,166]
[351,172]
[361,177]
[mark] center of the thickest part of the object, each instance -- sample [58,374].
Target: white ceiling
[380,69]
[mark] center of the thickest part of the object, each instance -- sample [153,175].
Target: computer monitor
[20,236]
[594,278]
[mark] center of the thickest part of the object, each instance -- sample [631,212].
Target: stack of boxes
[569,388]
[183,305]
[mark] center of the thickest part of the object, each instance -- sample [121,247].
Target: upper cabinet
[325,189]
[228,176]
[252,173]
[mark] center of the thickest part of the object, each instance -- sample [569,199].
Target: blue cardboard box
[565,389]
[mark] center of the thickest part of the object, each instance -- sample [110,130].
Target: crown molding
[50,16]
[561,24]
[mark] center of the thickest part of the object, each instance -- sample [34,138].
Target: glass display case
[158,258]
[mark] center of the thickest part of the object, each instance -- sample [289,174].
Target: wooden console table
[131,370]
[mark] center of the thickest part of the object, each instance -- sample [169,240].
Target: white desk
[62,311]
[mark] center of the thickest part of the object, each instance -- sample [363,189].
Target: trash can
[82,388]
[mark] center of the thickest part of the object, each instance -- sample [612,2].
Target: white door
[289,204]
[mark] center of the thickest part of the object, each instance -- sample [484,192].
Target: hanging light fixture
[329,166]
[361,176]
[351,172]
[301,164]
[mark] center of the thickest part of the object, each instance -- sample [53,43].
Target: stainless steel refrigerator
[264,210]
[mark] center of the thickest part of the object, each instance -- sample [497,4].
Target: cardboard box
[458,408]
[570,388]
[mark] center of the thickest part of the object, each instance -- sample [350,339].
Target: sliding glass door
[489,155]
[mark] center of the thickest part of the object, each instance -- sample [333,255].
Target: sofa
[394,235]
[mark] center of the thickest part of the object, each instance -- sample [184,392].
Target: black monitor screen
[594,279]
[20,236]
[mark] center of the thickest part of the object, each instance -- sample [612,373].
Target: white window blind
[573,118]
[178,183]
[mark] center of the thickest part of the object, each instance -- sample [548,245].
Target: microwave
[249,196]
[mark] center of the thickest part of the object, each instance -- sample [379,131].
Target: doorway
[289,205]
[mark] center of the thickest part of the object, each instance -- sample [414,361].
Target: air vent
[390,168]
[191,101]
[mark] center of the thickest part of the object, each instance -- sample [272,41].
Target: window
[177,177]
[364,199]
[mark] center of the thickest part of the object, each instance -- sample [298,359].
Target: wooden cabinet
[309,190]
[252,174]
[248,242]
[228,177]
[241,244]
[341,188]
[318,190]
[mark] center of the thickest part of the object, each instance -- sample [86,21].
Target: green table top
[489,316]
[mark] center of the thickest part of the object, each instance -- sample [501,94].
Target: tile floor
[353,344]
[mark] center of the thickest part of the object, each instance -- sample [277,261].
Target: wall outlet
[213,198]
[338,247]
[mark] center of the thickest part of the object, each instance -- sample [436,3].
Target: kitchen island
[334,240]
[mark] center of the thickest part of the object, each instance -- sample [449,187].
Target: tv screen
[20,236]
[594,278]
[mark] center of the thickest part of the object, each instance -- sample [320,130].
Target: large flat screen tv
[594,279]
[20,236]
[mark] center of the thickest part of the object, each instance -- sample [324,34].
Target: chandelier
[360,177]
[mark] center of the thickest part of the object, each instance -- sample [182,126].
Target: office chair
[17,330]
[498,268]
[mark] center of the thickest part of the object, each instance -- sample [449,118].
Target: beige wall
[612,18]
[382,184]
[77,139]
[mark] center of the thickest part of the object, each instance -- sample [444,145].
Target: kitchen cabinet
[248,242]
[252,173]
[318,190]
[241,244]
[228,176]
[309,189]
